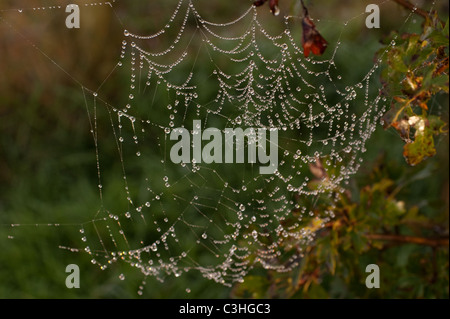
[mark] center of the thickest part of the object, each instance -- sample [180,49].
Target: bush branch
[410,6]
[434,242]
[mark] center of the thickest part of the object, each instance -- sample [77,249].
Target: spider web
[223,220]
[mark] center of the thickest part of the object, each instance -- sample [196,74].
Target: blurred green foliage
[391,214]
[373,225]
[416,70]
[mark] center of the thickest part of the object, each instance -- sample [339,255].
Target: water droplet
[276,11]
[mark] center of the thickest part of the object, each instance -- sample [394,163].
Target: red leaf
[273,4]
[258,3]
[312,41]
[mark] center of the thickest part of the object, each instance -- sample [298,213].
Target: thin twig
[305,10]
[410,6]
[434,242]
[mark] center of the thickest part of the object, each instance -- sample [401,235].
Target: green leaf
[438,38]
[437,125]
[397,63]
[423,145]
[441,82]
[412,47]
[446,29]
